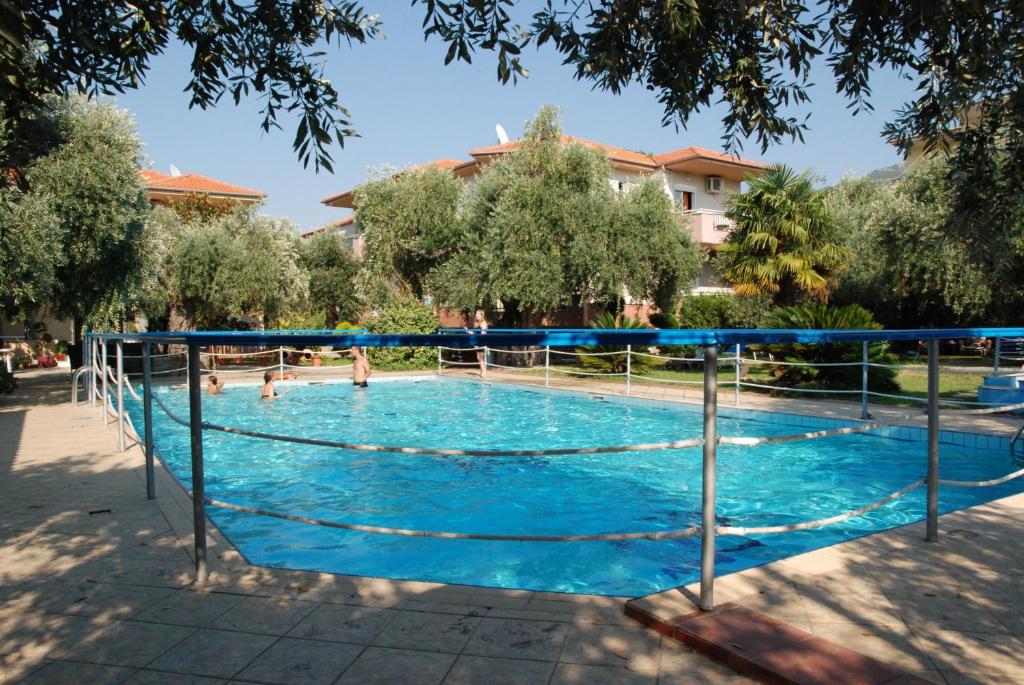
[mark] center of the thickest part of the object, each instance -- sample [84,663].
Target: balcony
[709,226]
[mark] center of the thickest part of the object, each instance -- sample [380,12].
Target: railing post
[94,359]
[280,363]
[707,540]
[996,354]
[147,410]
[120,394]
[103,370]
[439,360]
[483,372]
[932,533]
[547,365]
[864,381]
[195,417]
[629,365]
[739,365]
[85,365]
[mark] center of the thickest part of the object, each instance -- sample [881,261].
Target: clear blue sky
[409,108]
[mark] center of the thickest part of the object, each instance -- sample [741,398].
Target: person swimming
[268,392]
[360,367]
[214,386]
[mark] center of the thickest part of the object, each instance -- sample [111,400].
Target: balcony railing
[709,226]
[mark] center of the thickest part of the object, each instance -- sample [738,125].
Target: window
[685,199]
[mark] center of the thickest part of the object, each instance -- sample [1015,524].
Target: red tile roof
[194,183]
[337,224]
[694,152]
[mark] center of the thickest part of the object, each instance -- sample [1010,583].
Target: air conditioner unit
[714,184]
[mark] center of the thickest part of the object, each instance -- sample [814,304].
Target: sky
[409,108]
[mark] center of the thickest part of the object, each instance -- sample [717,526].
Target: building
[697,179]
[166,189]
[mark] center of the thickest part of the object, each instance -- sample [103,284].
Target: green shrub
[403,316]
[7,381]
[723,311]
[616,363]
[821,316]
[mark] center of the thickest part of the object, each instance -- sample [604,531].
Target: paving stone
[111,601]
[301,662]
[380,666]
[264,615]
[130,643]
[163,678]
[216,653]
[343,623]
[471,670]
[428,632]
[500,637]
[186,608]
[578,674]
[634,648]
[72,673]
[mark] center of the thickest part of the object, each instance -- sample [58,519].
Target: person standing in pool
[214,386]
[360,367]
[480,321]
[268,392]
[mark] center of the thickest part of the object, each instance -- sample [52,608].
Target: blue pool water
[764,485]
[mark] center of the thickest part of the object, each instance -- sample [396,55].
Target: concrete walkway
[95,587]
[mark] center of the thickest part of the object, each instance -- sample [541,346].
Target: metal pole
[864,381]
[547,365]
[996,355]
[438,360]
[103,370]
[85,365]
[94,356]
[707,540]
[147,409]
[280,363]
[483,372]
[195,418]
[629,365]
[932,533]
[739,365]
[120,394]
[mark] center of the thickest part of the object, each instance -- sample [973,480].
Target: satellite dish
[502,136]
[175,171]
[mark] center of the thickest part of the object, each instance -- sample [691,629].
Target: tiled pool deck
[96,587]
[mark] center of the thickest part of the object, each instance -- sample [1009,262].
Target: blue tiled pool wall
[978,441]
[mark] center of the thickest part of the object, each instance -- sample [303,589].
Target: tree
[407,218]
[104,47]
[331,270]
[74,209]
[542,229]
[783,242]
[910,267]
[239,267]
[754,58]
[402,315]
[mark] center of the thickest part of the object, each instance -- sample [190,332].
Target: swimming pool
[559,495]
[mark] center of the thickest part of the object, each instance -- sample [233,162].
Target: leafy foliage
[80,211]
[30,241]
[240,266]
[541,229]
[910,266]
[199,208]
[602,358]
[821,316]
[783,243]
[402,315]
[722,311]
[331,270]
[239,48]
[407,219]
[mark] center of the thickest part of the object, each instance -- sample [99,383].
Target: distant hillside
[888,173]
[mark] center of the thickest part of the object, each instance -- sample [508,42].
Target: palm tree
[783,240]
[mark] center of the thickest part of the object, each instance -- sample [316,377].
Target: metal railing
[708,441]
